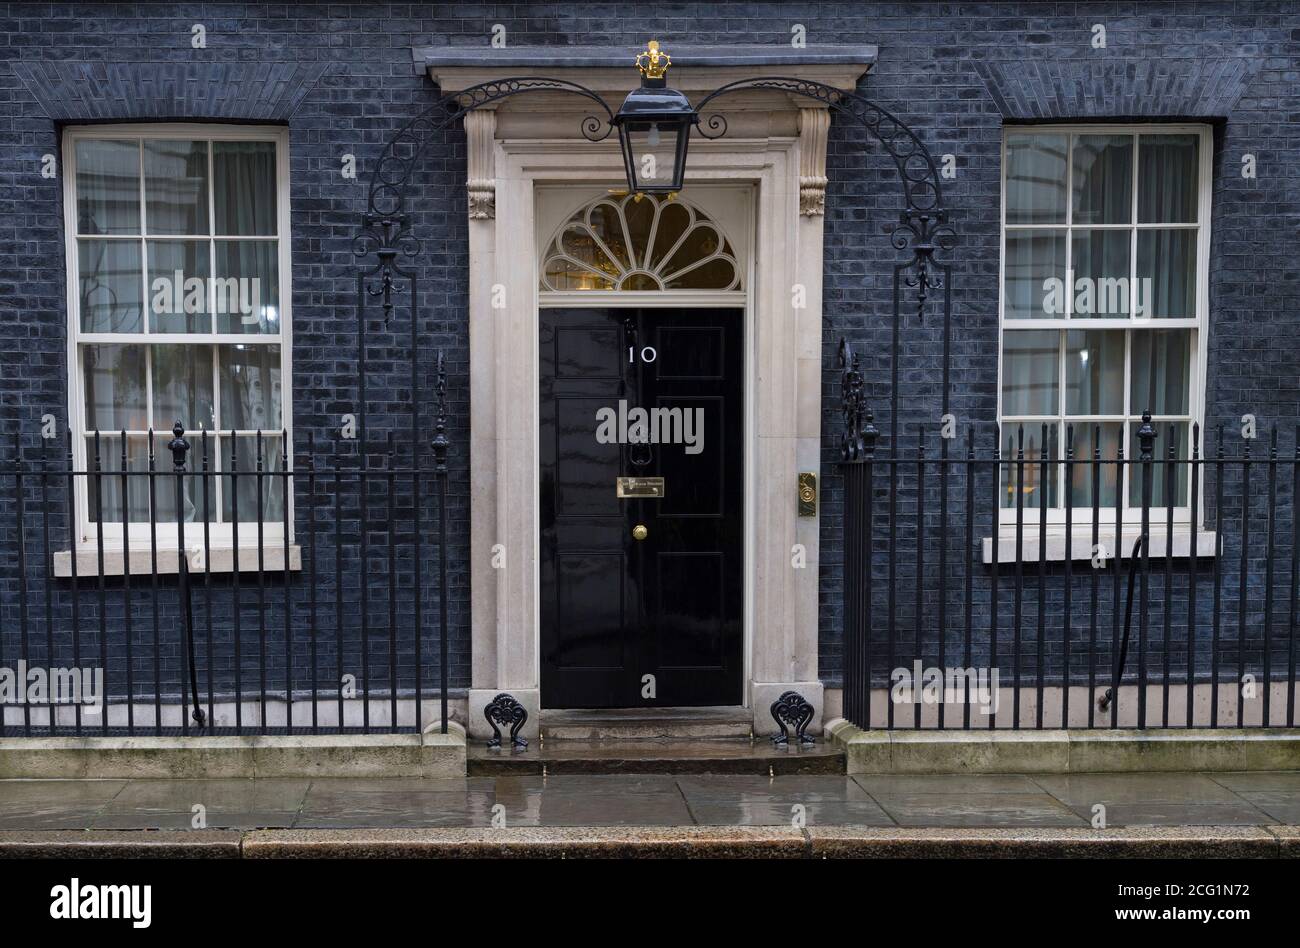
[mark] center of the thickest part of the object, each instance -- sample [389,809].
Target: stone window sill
[224,559]
[1081,547]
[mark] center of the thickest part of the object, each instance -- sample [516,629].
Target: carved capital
[480,132]
[814,123]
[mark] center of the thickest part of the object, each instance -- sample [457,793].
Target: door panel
[615,609]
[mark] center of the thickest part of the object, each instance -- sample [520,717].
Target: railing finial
[179,447]
[1146,437]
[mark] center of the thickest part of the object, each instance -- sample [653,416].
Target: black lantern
[654,128]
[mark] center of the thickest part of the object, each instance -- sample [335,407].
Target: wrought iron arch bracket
[387,232]
[387,229]
[923,223]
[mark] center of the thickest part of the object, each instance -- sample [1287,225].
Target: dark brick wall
[341,77]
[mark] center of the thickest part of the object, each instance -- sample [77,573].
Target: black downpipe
[1104,702]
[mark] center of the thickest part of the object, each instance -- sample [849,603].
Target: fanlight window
[649,244]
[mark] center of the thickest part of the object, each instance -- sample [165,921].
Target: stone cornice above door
[609,70]
[697,70]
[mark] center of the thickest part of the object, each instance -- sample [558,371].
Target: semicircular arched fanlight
[620,243]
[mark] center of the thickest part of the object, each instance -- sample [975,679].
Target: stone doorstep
[431,754]
[1061,751]
[1165,842]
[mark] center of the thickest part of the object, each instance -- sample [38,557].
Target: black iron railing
[991,586]
[223,583]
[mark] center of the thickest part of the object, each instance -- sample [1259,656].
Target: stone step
[632,724]
[700,756]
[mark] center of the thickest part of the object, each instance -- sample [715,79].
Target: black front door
[641,596]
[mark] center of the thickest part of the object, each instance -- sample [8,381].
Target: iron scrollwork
[922,225]
[387,230]
[792,710]
[858,442]
[505,711]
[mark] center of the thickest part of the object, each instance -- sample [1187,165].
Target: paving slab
[590,808]
[906,785]
[796,787]
[1282,806]
[1259,780]
[978,810]
[603,783]
[328,807]
[1087,789]
[227,803]
[1156,813]
[788,812]
[54,804]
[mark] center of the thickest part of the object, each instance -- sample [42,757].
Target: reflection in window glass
[1035,178]
[1166,269]
[1030,368]
[1161,366]
[109,286]
[1094,442]
[176,187]
[1032,475]
[244,188]
[1168,189]
[1103,179]
[1094,372]
[250,393]
[108,187]
[1034,285]
[1101,275]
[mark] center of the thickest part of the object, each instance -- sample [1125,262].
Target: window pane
[1101,273]
[1036,169]
[1162,362]
[244,192]
[1026,478]
[108,187]
[1103,179]
[246,289]
[1094,372]
[176,187]
[1029,372]
[1162,469]
[105,491]
[250,388]
[115,388]
[1035,275]
[182,387]
[1166,269]
[242,499]
[109,284]
[1089,437]
[178,286]
[1167,179]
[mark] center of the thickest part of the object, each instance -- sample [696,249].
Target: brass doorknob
[639,532]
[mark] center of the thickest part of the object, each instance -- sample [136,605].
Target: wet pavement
[598,800]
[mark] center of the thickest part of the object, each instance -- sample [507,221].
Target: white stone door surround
[775,146]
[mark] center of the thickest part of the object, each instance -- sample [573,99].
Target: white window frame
[221,533]
[1199,325]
